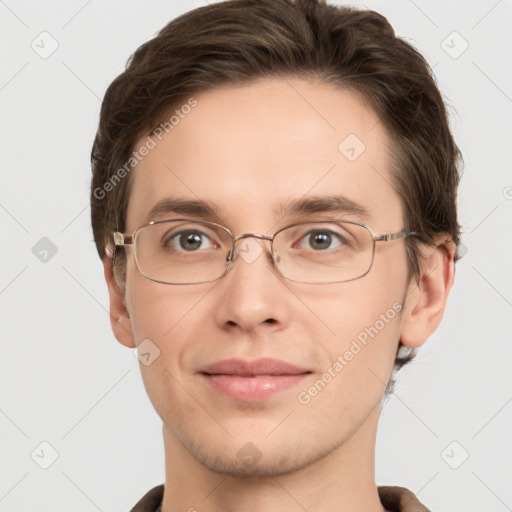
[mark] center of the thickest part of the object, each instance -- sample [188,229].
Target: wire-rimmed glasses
[189,251]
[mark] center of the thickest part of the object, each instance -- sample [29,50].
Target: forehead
[252,151]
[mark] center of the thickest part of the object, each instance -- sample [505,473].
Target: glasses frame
[123,239]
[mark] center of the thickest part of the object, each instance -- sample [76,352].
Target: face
[251,151]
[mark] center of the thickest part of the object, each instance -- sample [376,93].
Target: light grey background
[64,378]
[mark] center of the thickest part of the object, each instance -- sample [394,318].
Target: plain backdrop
[67,383]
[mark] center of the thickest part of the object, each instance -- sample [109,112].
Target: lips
[265,366]
[252,380]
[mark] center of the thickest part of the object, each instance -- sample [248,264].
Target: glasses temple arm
[394,236]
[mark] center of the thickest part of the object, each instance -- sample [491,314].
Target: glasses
[187,251]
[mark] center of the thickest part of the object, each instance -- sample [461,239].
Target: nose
[253,294]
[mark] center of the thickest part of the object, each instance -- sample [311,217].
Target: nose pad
[229,258]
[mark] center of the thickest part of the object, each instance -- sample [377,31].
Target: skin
[249,149]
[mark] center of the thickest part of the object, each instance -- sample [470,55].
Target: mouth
[252,380]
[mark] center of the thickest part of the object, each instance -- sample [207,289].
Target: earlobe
[119,316]
[426,299]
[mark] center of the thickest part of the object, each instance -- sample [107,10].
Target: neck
[342,481]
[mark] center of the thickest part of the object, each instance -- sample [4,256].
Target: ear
[119,317]
[426,298]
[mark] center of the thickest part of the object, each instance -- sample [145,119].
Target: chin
[258,459]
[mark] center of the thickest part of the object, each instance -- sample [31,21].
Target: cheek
[357,309]
[363,317]
[357,362]
[159,311]
[161,316]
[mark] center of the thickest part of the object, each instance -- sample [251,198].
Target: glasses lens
[323,252]
[182,252]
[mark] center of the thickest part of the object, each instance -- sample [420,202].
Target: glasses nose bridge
[238,238]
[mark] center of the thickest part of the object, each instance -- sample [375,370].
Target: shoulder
[151,501]
[400,499]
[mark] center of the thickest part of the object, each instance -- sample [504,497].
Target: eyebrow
[206,210]
[187,207]
[336,204]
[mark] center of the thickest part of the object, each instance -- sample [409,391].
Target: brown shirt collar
[400,499]
[393,499]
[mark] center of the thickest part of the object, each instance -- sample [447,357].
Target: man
[274,202]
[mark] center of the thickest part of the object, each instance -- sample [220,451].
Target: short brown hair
[239,41]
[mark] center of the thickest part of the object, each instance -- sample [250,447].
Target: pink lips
[252,380]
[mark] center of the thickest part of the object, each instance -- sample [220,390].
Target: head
[246,105]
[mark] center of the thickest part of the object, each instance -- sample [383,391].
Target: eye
[188,240]
[322,239]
